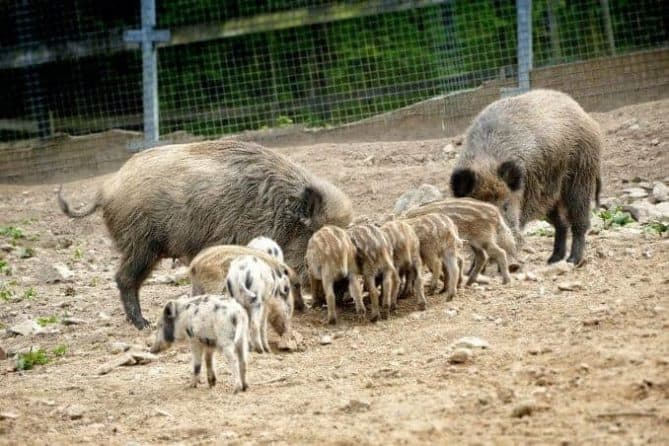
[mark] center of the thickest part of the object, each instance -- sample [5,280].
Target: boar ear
[312,202]
[512,174]
[463,182]
[170,310]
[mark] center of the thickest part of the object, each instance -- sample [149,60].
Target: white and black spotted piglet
[256,286]
[209,322]
[266,244]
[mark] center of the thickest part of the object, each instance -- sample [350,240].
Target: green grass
[12,232]
[615,217]
[6,293]
[44,321]
[656,227]
[27,361]
[5,268]
[59,350]
[78,254]
[30,293]
[26,252]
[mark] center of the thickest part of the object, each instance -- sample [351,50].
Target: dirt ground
[589,366]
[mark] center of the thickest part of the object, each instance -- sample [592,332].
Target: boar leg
[451,273]
[498,255]
[134,269]
[480,260]
[234,364]
[263,329]
[416,273]
[328,285]
[317,297]
[579,218]
[370,283]
[391,281]
[209,363]
[197,362]
[242,352]
[356,292]
[560,241]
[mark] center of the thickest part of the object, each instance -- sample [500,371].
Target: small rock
[399,351]
[413,198]
[72,321]
[75,412]
[660,193]
[451,312]
[8,416]
[524,409]
[58,272]
[478,317]
[103,316]
[471,342]
[591,322]
[287,344]
[119,347]
[26,328]
[654,141]
[634,127]
[636,192]
[142,358]
[556,269]
[483,279]
[460,356]
[162,413]
[356,406]
[325,340]
[570,286]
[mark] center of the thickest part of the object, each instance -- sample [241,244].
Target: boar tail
[598,189]
[86,211]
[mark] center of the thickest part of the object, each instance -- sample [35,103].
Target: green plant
[656,227]
[182,281]
[59,350]
[26,252]
[27,361]
[5,268]
[6,293]
[615,217]
[44,321]
[12,232]
[543,232]
[78,254]
[30,293]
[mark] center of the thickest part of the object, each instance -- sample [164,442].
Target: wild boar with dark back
[534,155]
[173,201]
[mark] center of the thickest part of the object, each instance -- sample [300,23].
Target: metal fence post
[524,18]
[147,36]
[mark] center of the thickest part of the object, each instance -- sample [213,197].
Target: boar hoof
[555,258]
[140,323]
[212,381]
[332,321]
[422,306]
[374,316]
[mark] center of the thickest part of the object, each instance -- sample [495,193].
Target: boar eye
[505,206]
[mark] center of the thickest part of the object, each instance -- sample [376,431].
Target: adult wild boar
[173,201]
[533,155]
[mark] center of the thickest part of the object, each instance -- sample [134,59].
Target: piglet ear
[463,182]
[512,174]
[170,310]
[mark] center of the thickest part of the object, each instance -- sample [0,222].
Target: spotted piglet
[253,283]
[209,322]
[266,244]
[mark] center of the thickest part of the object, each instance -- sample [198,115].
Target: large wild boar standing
[534,155]
[173,201]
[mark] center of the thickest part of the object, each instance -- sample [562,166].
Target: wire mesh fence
[230,66]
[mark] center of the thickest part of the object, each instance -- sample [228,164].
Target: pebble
[471,342]
[451,312]
[478,317]
[26,328]
[460,356]
[636,192]
[8,416]
[356,406]
[75,412]
[72,321]
[570,286]
[399,351]
[119,347]
[325,340]
[660,193]
[524,409]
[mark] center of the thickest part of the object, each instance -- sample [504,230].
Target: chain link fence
[84,66]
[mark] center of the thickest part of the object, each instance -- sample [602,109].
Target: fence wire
[235,65]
